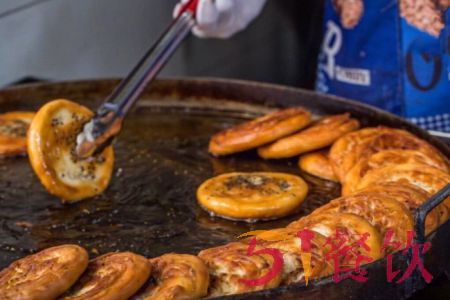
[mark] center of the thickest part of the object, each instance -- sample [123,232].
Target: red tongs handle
[107,121]
[191,7]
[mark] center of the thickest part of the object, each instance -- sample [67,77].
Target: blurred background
[86,39]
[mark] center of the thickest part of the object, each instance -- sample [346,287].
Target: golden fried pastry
[288,242]
[428,178]
[386,158]
[260,131]
[13,133]
[230,264]
[113,276]
[410,195]
[322,134]
[176,277]
[328,223]
[51,143]
[382,211]
[252,196]
[317,164]
[44,275]
[355,146]
[342,152]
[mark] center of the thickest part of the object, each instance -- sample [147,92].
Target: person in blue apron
[390,54]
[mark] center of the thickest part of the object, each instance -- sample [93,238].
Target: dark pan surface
[161,158]
[150,206]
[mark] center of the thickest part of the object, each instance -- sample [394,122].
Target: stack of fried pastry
[393,162]
[287,133]
[386,174]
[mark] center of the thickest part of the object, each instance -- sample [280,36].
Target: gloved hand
[223,18]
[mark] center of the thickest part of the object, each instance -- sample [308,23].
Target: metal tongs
[107,121]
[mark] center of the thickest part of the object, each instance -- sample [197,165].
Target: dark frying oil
[150,206]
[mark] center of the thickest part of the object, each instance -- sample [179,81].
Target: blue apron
[386,58]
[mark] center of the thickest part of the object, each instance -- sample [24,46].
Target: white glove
[223,18]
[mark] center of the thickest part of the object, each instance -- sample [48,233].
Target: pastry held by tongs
[107,122]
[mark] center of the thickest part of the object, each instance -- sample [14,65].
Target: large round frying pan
[161,158]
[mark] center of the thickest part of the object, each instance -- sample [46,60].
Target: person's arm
[224,18]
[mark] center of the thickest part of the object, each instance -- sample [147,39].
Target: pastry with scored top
[259,132]
[320,135]
[351,226]
[360,145]
[113,276]
[288,242]
[386,158]
[44,275]
[413,197]
[176,277]
[342,153]
[427,178]
[228,265]
[384,212]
